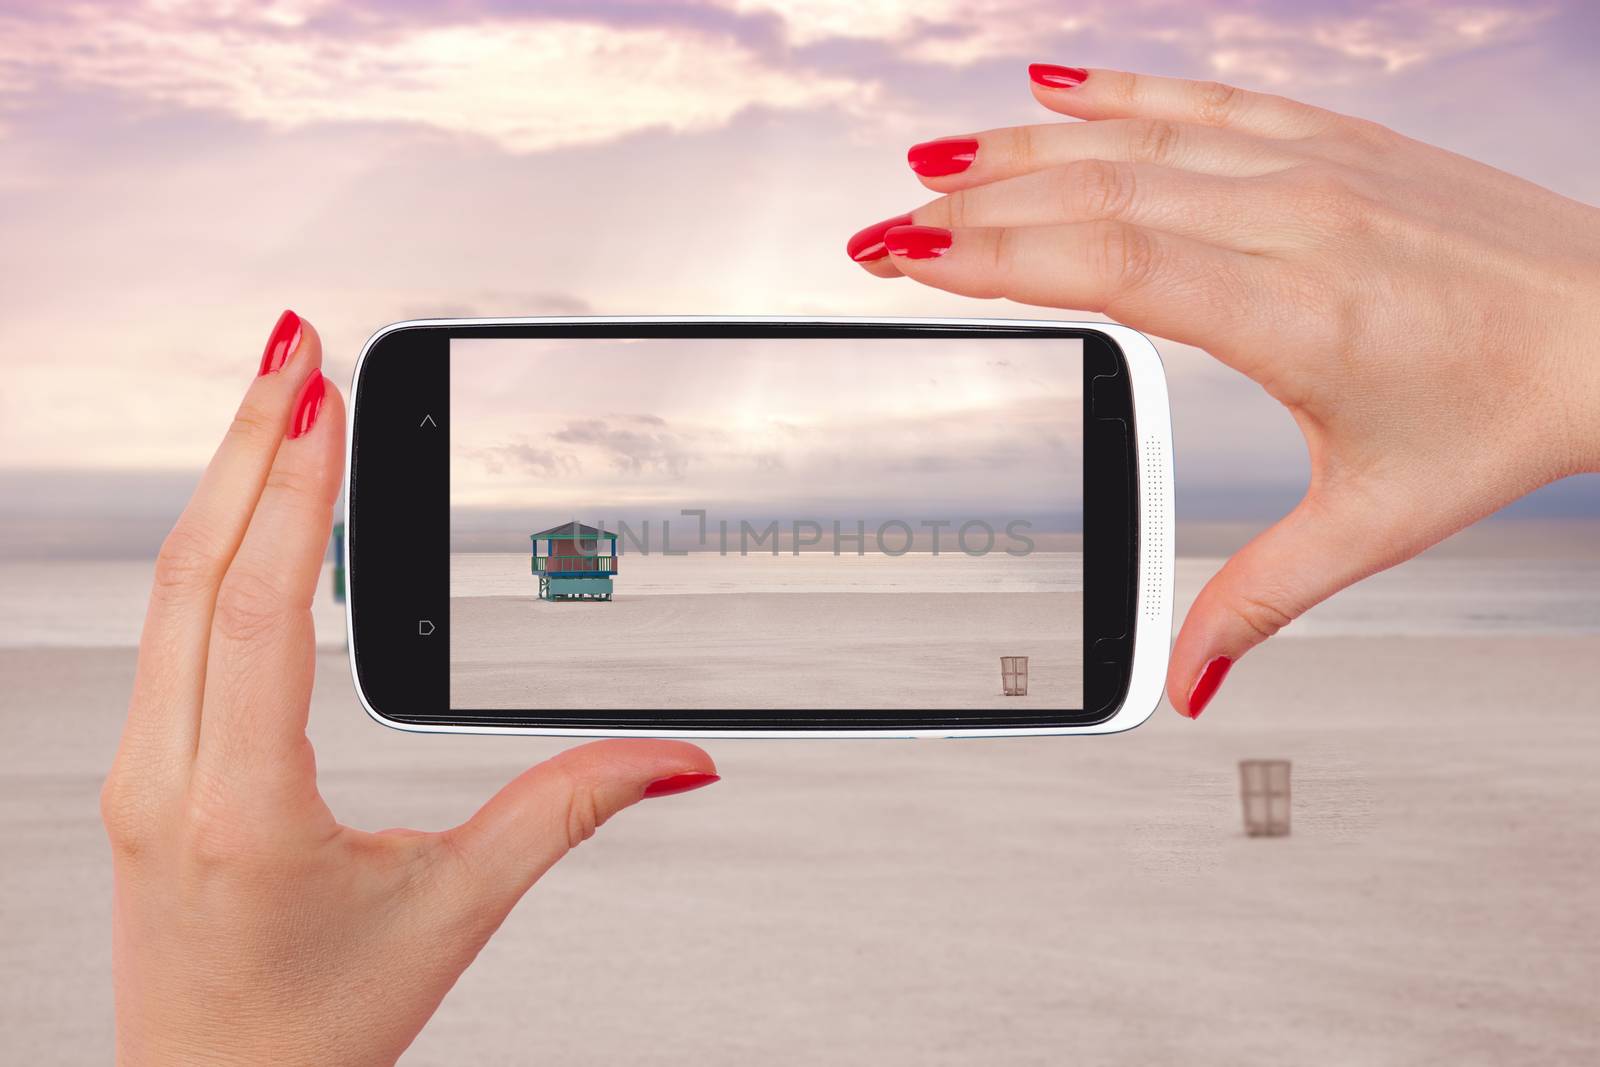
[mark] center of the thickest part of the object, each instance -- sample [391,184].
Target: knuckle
[1128,256]
[253,426]
[1314,303]
[292,481]
[1228,285]
[957,209]
[249,605]
[1129,90]
[1327,195]
[583,814]
[1002,257]
[1100,189]
[1262,615]
[1365,134]
[1025,148]
[1155,141]
[211,842]
[1216,103]
[186,562]
[216,833]
[123,814]
[1314,181]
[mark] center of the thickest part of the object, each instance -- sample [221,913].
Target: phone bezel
[415,670]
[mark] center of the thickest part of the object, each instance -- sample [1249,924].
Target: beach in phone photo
[808,630]
[1089,900]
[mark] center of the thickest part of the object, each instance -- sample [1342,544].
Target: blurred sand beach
[1090,901]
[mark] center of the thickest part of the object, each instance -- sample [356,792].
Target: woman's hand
[1429,321]
[249,926]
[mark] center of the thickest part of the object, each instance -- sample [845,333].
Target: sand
[1084,901]
[766,650]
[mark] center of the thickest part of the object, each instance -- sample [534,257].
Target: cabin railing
[574,564]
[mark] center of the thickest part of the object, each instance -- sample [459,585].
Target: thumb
[551,808]
[1325,544]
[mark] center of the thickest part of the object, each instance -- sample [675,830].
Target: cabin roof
[570,531]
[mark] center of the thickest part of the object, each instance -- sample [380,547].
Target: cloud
[527,83]
[531,459]
[565,74]
[494,303]
[631,451]
[1321,49]
[1274,43]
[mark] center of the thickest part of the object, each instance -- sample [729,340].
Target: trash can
[1014,675]
[1264,787]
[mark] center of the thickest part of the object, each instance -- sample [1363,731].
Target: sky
[790,428]
[175,172]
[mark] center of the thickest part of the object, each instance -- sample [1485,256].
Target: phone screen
[782,523]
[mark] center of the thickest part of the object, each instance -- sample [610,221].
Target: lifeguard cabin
[574,562]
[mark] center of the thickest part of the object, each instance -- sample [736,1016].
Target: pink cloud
[527,84]
[564,74]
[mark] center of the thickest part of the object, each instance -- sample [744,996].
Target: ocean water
[101,603]
[502,574]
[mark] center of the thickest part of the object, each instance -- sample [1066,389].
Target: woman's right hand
[1431,322]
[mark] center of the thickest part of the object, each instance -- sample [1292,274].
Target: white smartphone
[759,527]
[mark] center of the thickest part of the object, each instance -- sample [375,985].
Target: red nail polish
[935,159]
[281,344]
[1206,686]
[308,406]
[679,783]
[1052,76]
[867,245]
[917,242]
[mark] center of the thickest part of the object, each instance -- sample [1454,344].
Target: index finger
[951,163]
[1090,93]
[261,658]
[1159,282]
[163,724]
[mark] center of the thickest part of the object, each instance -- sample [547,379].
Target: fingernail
[1052,76]
[867,245]
[935,159]
[917,242]
[1206,686]
[308,406]
[281,344]
[679,783]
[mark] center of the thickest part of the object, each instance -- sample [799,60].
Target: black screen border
[399,520]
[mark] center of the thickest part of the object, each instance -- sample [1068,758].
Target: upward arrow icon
[427,420]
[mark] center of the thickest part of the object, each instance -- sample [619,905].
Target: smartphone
[759,527]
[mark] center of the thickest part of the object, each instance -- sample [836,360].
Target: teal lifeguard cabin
[574,562]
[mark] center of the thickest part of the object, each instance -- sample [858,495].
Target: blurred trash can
[1264,787]
[1014,675]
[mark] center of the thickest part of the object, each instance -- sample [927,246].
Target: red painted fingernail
[917,242]
[867,245]
[1052,76]
[679,783]
[281,344]
[1206,686]
[935,159]
[308,406]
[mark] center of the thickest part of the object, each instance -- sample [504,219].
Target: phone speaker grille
[1156,535]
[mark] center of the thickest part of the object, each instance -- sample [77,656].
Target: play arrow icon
[427,420]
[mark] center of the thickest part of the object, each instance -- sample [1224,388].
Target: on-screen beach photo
[887,521]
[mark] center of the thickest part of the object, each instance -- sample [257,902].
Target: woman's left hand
[249,925]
